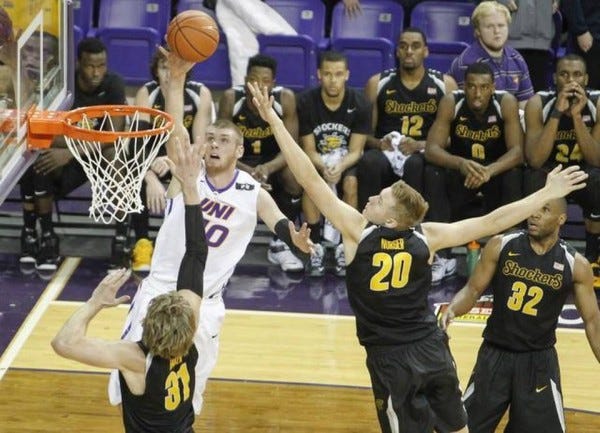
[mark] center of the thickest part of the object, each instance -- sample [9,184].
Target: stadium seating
[368,40]
[213,72]
[297,55]
[131,30]
[444,21]
[441,54]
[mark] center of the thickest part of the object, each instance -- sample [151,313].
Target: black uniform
[191,104]
[332,129]
[412,370]
[166,405]
[411,112]
[517,364]
[260,145]
[481,140]
[566,152]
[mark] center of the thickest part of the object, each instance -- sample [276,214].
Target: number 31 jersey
[229,220]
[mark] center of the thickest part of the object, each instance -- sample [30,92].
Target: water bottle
[473,251]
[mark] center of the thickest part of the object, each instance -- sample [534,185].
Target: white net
[116,170]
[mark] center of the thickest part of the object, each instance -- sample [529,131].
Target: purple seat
[444,21]
[441,54]
[131,30]
[296,55]
[368,40]
[82,15]
[213,72]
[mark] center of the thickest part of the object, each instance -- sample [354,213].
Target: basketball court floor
[289,360]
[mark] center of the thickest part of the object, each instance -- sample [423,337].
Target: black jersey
[166,405]
[260,145]
[191,102]
[332,129]
[388,282]
[410,112]
[529,293]
[566,149]
[111,91]
[481,140]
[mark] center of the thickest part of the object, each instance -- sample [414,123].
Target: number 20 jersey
[229,220]
[388,282]
[529,293]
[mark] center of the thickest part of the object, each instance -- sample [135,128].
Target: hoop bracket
[43,126]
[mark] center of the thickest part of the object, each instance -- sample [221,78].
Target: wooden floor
[276,373]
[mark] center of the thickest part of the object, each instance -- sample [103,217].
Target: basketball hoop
[115,162]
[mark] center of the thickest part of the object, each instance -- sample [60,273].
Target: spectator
[531,33]
[241,21]
[198,114]
[583,21]
[261,154]
[563,128]
[334,122]
[56,173]
[405,102]
[351,7]
[490,21]
[477,142]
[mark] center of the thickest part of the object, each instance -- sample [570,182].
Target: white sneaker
[442,268]
[316,262]
[340,261]
[280,254]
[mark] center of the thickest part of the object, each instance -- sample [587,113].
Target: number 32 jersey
[529,293]
[388,282]
[229,219]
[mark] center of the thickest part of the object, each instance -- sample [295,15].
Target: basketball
[6,28]
[193,35]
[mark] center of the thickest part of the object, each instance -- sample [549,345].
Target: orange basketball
[193,35]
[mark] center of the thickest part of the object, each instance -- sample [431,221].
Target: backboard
[37,73]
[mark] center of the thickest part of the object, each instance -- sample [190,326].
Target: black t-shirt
[111,91]
[166,405]
[260,145]
[481,140]
[566,149]
[410,112]
[388,282]
[332,129]
[529,293]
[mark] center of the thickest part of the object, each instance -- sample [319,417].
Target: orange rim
[45,125]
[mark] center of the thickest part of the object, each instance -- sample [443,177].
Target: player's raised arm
[559,183]
[345,218]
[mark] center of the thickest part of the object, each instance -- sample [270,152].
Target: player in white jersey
[231,202]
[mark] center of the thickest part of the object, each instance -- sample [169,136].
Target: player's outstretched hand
[189,162]
[301,238]
[178,67]
[262,101]
[562,182]
[105,294]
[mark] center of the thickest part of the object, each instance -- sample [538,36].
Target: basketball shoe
[48,257]
[340,261]
[30,247]
[317,267]
[279,254]
[442,268]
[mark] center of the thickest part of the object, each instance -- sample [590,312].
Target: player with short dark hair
[531,274]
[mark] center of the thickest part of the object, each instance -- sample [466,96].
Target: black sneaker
[48,257]
[120,254]
[30,248]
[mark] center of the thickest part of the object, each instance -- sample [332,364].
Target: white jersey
[229,219]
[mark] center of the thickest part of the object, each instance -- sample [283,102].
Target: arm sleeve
[191,270]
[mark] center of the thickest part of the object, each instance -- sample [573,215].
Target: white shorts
[212,314]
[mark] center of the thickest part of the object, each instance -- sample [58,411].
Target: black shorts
[527,382]
[415,384]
